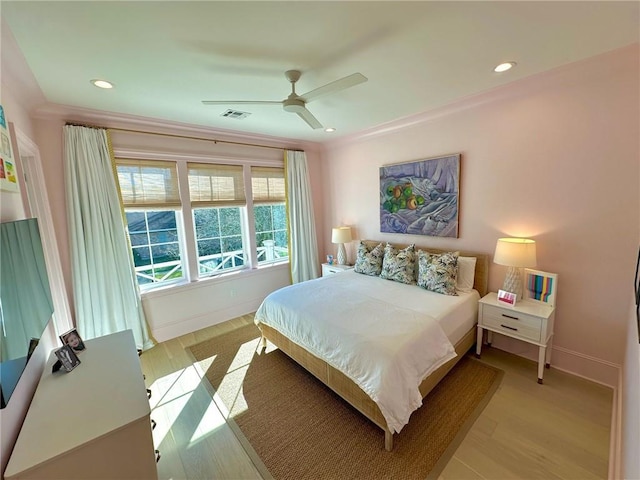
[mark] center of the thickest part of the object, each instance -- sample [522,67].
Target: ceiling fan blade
[346,82]
[309,118]
[240,102]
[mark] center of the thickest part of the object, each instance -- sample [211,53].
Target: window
[150,197]
[208,219]
[217,195]
[269,212]
[155,245]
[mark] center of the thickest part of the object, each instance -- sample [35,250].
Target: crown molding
[605,62]
[99,118]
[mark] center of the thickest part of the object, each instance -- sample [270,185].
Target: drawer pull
[507,326]
[509,316]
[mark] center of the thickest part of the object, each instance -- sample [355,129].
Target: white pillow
[466,273]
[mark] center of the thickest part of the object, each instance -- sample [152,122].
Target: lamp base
[342,254]
[513,282]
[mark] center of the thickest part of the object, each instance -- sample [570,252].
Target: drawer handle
[507,326]
[509,316]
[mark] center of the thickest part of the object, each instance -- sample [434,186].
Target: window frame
[186,222]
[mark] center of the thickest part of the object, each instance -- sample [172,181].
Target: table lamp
[515,253]
[341,235]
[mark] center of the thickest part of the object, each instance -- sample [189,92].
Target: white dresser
[92,422]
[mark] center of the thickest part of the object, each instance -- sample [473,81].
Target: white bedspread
[375,331]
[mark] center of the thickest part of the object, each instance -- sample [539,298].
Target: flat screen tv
[26,305]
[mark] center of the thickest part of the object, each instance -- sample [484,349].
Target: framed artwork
[636,283]
[67,357]
[73,339]
[421,197]
[8,175]
[507,298]
[636,287]
[540,286]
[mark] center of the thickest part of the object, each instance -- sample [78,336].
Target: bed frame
[345,387]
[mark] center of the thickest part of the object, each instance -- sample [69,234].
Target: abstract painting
[421,197]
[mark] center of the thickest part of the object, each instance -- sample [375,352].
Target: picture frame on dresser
[73,339]
[67,357]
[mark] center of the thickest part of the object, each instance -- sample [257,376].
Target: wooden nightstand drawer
[512,323]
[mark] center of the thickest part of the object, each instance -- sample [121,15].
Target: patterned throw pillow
[369,260]
[438,272]
[399,265]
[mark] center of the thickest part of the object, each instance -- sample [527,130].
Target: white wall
[553,157]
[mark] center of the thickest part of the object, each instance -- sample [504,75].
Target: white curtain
[107,299]
[303,245]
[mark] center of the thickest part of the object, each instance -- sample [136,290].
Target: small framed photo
[507,298]
[74,340]
[67,358]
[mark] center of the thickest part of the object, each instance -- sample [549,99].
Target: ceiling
[166,57]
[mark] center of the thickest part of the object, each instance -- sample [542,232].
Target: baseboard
[615,444]
[576,363]
[192,324]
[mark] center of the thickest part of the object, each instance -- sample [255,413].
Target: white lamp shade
[341,235]
[515,252]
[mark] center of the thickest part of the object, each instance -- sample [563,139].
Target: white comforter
[350,321]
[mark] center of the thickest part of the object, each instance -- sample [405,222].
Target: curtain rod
[188,137]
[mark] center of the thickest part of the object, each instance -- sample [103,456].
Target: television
[26,305]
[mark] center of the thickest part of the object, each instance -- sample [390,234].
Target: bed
[365,336]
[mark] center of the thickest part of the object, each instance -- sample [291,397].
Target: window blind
[216,185]
[267,184]
[148,184]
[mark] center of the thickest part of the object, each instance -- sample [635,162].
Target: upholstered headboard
[481,279]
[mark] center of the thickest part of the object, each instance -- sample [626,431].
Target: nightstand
[528,321]
[331,269]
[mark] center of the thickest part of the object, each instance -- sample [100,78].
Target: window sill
[163,290]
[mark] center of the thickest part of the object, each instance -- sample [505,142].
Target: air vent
[237,114]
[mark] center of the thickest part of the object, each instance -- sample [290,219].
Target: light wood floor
[559,430]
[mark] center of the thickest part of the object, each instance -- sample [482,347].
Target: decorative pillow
[466,273]
[438,272]
[399,265]
[369,260]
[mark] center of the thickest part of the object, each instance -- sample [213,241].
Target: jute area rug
[300,429]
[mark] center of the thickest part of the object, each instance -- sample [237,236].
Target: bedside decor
[515,253]
[540,286]
[507,298]
[341,235]
[421,198]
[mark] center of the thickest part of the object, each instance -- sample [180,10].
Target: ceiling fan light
[503,67]
[101,83]
[293,105]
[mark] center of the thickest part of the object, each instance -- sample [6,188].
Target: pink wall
[553,157]
[12,416]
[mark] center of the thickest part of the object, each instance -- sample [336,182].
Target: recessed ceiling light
[329,129]
[102,83]
[503,67]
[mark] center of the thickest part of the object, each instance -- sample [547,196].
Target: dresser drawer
[512,323]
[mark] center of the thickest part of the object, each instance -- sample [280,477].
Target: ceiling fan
[297,103]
